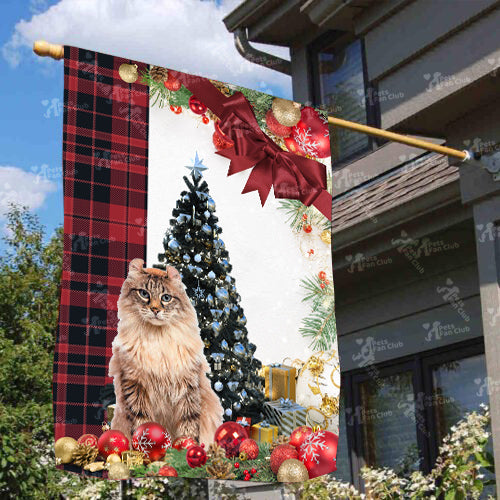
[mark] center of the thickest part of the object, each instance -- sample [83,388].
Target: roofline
[237,17]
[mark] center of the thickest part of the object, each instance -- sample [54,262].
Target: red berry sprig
[305,226]
[247,474]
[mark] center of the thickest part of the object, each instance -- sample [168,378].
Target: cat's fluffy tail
[211,411]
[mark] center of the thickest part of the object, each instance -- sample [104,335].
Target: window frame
[421,365]
[339,39]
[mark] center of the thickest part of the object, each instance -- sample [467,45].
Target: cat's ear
[172,273]
[136,265]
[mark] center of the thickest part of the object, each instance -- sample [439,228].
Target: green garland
[177,460]
[161,96]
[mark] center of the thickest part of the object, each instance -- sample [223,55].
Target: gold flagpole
[392,136]
[45,49]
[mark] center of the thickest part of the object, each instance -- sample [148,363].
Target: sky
[186,35]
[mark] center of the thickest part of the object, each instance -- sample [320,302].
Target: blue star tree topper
[197,167]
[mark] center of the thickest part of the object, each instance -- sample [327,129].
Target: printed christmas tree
[193,246]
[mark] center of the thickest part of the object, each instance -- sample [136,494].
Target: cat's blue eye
[166,297]
[143,293]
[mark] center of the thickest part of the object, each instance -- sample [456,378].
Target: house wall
[397,300]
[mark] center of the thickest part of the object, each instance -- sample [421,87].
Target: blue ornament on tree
[239,349]
[216,326]
[174,245]
[222,294]
[232,385]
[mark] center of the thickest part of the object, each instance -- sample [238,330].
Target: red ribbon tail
[323,203]
[261,180]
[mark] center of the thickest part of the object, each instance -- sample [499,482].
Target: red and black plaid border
[105,194]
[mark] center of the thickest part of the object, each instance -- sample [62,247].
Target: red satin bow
[291,176]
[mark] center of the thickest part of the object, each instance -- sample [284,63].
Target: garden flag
[197,332]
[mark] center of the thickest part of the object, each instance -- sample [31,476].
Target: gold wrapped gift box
[280,381]
[264,432]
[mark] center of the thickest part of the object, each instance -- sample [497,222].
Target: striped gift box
[286,414]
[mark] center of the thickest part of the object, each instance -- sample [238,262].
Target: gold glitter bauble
[118,470]
[64,449]
[292,471]
[286,112]
[113,459]
[326,237]
[128,72]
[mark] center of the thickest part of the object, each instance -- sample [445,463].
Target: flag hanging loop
[43,48]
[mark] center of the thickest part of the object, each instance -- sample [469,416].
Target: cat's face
[156,296]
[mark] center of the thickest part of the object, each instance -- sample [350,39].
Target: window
[383,415]
[396,414]
[339,81]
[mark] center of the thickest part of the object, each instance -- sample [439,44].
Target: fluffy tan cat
[158,365]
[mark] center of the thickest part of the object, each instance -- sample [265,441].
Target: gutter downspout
[257,56]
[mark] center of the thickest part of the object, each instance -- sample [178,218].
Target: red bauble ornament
[152,439]
[220,140]
[111,442]
[307,228]
[229,436]
[319,453]
[176,109]
[292,146]
[311,134]
[167,471]
[275,126]
[280,454]
[196,106]
[253,471]
[298,436]
[250,447]
[172,84]
[196,456]
[205,119]
[183,442]
[89,440]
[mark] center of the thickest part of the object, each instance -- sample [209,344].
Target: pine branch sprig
[320,325]
[318,296]
[295,210]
